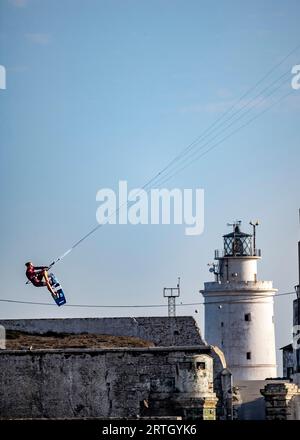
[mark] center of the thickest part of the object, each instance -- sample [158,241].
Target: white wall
[227,303]
[240,269]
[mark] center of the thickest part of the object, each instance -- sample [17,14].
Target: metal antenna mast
[296,319]
[297,288]
[172,293]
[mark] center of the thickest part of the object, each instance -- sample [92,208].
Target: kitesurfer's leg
[49,287]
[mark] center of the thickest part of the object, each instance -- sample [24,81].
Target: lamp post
[254,224]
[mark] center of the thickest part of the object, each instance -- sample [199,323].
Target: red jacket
[34,274]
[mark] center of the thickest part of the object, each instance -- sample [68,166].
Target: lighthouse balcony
[239,286]
[223,253]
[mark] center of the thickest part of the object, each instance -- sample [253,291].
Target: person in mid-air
[38,276]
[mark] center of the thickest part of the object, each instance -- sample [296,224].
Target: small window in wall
[248,355]
[222,324]
[247,317]
[200,365]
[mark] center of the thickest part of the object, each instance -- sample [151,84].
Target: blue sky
[102,91]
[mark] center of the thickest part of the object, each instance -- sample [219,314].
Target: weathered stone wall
[282,401]
[107,383]
[163,331]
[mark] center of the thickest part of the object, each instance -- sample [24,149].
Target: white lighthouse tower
[239,310]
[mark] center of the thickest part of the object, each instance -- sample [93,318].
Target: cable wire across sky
[132,306]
